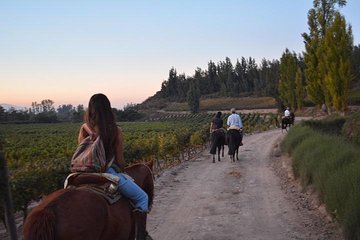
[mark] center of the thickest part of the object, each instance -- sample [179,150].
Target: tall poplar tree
[337,52]
[287,82]
[320,19]
[299,88]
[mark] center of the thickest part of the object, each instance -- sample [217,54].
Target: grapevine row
[38,155]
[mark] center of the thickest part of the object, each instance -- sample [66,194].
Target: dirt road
[254,198]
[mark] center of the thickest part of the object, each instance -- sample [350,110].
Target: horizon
[67,51]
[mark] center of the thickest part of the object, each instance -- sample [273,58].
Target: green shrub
[36,180]
[338,155]
[351,128]
[342,195]
[332,165]
[329,125]
[354,97]
[307,156]
[352,215]
[295,136]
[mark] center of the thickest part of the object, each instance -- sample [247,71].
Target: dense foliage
[222,80]
[328,55]
[326,156]
[291,84]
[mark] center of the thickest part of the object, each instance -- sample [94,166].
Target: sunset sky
[68,50]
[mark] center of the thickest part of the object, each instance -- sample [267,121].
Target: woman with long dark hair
[100,118]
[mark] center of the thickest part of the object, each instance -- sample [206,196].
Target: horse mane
[149,164]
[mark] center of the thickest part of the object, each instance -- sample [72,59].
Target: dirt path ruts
[249,199]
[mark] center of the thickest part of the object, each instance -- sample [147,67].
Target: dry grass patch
[225,103]
[238,103]
[236,174]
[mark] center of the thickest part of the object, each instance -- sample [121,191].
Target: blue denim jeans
[131,190]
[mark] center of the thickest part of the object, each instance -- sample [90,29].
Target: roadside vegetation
[326,156]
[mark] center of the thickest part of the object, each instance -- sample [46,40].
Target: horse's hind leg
[219,153]
[213,158]
[237,154]
[222,150]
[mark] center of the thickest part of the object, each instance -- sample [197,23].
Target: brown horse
[234,142]
[79,214]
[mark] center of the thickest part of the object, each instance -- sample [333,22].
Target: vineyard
[38,155]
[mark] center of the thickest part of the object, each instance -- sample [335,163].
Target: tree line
[45,112]
[222,80]
[321,75]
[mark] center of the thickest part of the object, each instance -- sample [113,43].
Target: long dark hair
[100,117]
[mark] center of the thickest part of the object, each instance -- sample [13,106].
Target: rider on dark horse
[288,118]
[234,121]
[235,127]
[216,128]
[216,123]
[287,113]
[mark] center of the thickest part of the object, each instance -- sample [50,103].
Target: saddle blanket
[104,184]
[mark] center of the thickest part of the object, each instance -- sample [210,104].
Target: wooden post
[6,198]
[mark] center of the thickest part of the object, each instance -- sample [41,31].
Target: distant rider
[287,113]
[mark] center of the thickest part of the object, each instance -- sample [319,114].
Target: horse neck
[139,172]
[143,176]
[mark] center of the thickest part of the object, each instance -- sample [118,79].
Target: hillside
[213,104]
[209,103]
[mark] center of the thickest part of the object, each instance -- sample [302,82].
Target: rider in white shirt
[234,121]
[287,112]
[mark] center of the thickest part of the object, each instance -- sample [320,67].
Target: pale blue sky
[68,50]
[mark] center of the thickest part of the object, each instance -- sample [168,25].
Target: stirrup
[138,210]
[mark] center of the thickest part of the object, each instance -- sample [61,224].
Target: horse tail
[40,225]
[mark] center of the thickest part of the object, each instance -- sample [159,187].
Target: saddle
[103,184]
[218,130]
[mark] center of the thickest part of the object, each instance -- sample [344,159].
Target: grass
[305,161]
[331,164]
[294,138]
